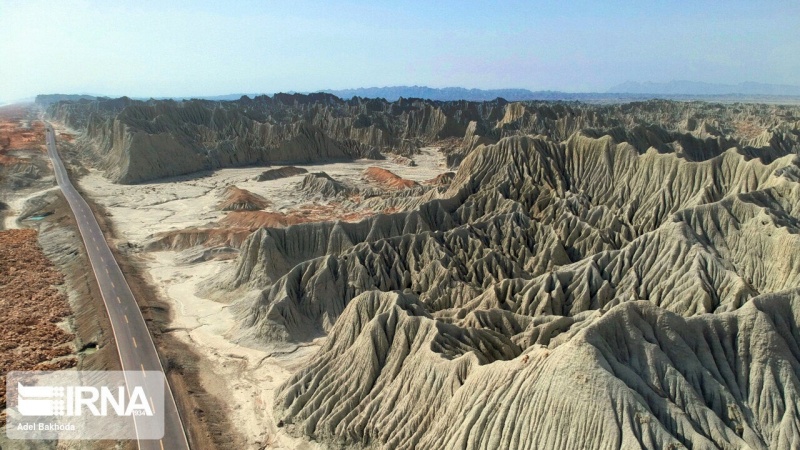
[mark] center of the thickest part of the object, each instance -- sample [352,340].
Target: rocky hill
[134,141]
[622,276]
[393,93]
[618,276]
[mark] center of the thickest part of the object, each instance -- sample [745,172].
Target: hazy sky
[143,48]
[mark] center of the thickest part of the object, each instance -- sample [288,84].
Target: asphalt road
[135,345]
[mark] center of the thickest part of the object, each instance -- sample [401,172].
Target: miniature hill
[235,199]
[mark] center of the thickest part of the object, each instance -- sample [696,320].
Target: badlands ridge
[572,276]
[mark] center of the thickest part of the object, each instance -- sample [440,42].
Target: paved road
[136,348]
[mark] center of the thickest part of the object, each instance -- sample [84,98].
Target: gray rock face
[634,377]
[321,185]
[270,253]
[622,276]
[536,228]
[281,172]
[136,141]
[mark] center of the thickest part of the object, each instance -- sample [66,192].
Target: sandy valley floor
[243,377]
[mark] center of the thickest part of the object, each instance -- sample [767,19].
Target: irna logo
[80,400]
[88,405]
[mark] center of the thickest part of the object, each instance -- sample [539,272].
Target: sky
[145,48]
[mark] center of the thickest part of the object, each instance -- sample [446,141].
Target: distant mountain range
[703,89]
[392,93]
[625,92]
[46,99]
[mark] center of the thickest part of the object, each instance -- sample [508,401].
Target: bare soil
[31,308]
[52,315]
[18,131]
[204,416]
[388,178]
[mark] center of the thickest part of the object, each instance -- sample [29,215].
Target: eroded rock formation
[136,141]
[630,287]
[615,276]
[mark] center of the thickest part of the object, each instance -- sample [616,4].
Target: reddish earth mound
[253,220]
[442,179]
[30,309]
[326,212]
[235,199]
[234,228]
[231,231]
[388,179]
[191,237]
[6,160]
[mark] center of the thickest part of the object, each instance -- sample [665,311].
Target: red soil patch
[234,228]
[748,129]
[15,135]
[30,309]
[191,237]
[388,179]
[6,160]
[253,220]
[331,211]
